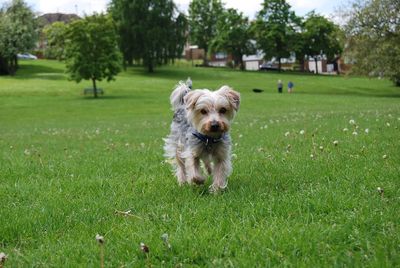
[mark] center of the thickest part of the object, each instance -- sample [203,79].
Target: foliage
[67,164]
[152,31]
[320,36]
[17,34]
[233,36]
[373,31]
[275,29]
[55,37]
[203,19]
[91,50]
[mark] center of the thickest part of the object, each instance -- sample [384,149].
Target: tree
[275,29]
[320,37]
[203,19]
[151,31]
[55,36]
[17,34]
[91,50]
[233,36]
[373,34]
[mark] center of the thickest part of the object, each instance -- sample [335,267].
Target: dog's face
[211,112]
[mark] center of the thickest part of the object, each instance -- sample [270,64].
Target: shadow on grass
[32,71]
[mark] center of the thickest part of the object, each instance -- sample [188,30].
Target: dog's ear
[231,95]
[191,98]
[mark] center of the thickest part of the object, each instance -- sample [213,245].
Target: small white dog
[200,131]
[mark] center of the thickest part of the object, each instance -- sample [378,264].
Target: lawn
[303,193]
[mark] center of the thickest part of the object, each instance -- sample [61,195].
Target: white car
[26,56]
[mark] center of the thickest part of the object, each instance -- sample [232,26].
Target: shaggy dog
[200,132]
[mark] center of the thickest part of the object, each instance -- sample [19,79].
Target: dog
[200,133]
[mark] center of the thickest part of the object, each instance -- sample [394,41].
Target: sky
[248,7]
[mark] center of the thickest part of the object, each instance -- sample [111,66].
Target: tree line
[154,32]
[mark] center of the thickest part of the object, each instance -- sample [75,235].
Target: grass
[68,162]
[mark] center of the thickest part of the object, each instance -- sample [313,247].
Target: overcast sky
[248,7]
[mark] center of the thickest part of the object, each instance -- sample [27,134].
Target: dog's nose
[214,126]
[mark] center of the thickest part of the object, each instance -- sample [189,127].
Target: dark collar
[207,140]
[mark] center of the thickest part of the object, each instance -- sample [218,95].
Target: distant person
[290,87]
[280,86]
[189,83]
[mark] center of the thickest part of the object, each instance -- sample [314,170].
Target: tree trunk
[94,87]
[279,64]
[205,60]
[301,61]
[316,65]
[150,67]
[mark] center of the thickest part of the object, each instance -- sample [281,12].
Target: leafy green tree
[320,37]
[55,36]
[373,34]
[91,50]
[17,34]
[275,29]
[233,36]
[151,31]
[203,19]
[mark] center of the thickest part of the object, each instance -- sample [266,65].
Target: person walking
[280,86]
[290,87]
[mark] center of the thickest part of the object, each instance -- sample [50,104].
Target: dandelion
[287,133]
[355,133]
[312,156]
[384,156]
[321,148]
[352,122]
[335,143]
[164,238]
[144,248]
[345,129]
[366,131]
[380,191]
[302,132]
[100,240]
[3,258]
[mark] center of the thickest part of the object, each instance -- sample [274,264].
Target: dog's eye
[203,111]
[222,111]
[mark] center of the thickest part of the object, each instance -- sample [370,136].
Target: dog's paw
[198,180]
[215,189]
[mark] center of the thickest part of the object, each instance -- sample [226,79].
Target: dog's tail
[177,95]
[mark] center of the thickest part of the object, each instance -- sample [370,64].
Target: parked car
[26,56]
[268,66]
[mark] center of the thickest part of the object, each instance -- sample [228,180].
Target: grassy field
[69,162]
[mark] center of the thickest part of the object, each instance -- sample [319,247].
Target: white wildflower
[335,142]
[366,131]
[352,122]
[384,156]
[321,148]
[100,239]
[355,133]
[287,133]
[345,129]
[302,132]
[387,124]
[234,156]
[240,135]
[27,152]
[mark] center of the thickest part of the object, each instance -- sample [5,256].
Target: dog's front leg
[193,171]
[222,169]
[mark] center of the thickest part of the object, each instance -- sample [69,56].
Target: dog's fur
[200,131]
